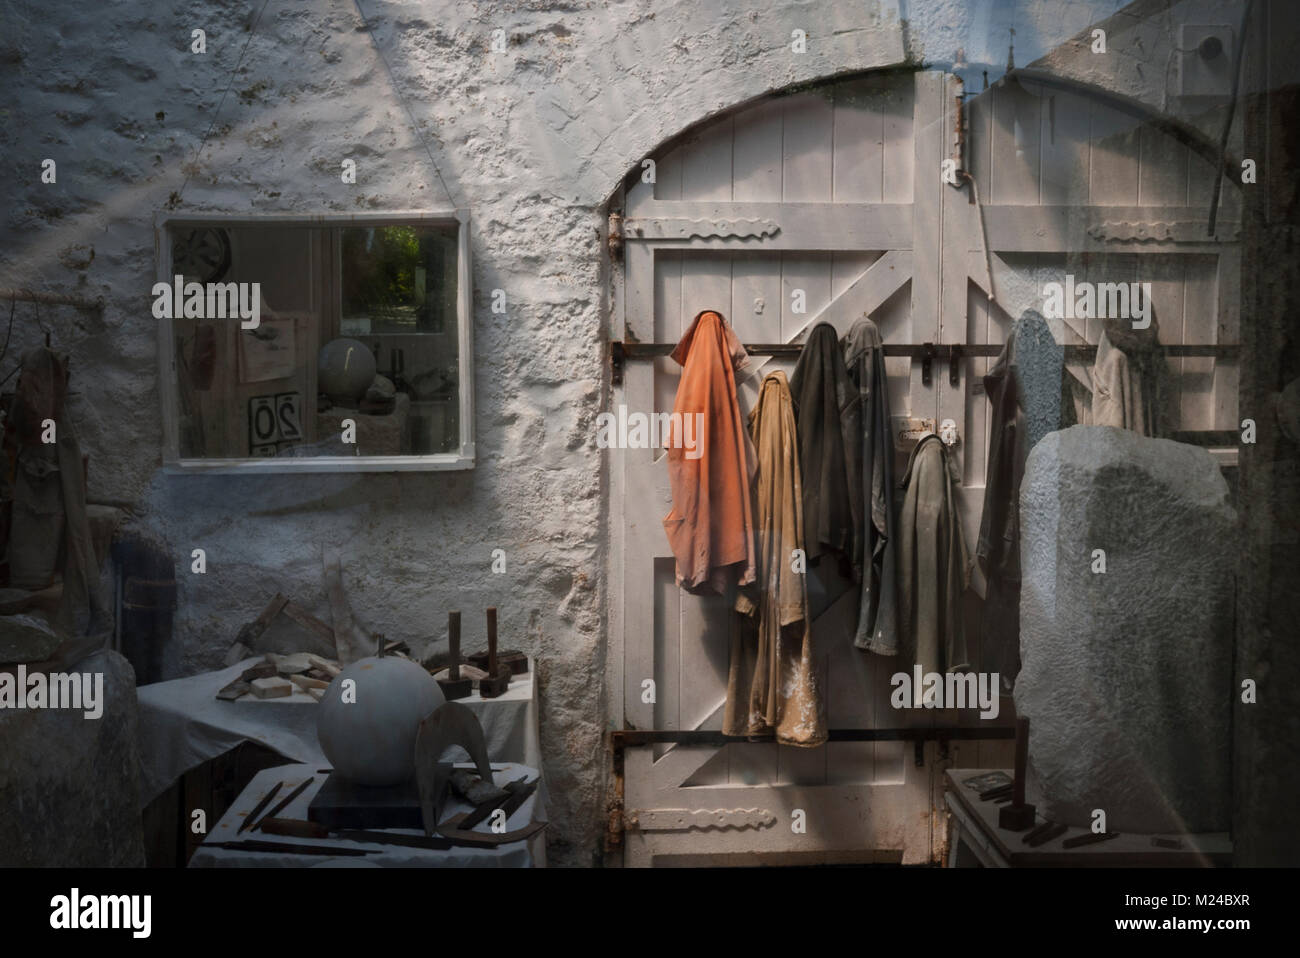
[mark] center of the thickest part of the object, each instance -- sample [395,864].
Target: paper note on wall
[267,352]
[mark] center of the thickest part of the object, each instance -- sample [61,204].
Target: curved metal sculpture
[447,725]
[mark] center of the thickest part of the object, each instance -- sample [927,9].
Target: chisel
[1044,833]
[487,808]
[1091,838]
[284,804]
[392,838]
[257,845]
[257,809]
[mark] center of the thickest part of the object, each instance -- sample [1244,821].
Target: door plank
[1064,149]
[1017,131]
[704,648]
[929,150]
[667,626]
[756,298]
[668,328]
[1162,170]
[1113,168]
[806,172]
[706,163]
[1167,277]
[811,274]
[756,154]
[752,763]
[858,144]
[898,176]
[800,766]
[1227,373]
[668,176]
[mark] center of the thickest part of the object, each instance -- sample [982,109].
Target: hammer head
[490,687]
[1016,818]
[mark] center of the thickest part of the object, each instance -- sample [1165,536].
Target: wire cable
[224,93]
[406,106]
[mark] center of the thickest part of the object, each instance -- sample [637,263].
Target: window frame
[462,458]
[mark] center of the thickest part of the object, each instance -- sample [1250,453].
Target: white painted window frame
[462,458]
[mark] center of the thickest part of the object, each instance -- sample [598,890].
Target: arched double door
[834,199]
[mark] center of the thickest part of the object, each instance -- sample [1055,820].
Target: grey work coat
[875,558]
[933,564]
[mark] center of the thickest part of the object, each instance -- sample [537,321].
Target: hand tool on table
[285,803]
[1091,838]
[516,801]
[1019,815]
[453,686]
[291,848]
[1044,833]
[482,811]
[498,676]
[393,838]
[995,793]
[453,829]
[512,659]
[257,809]
[987,781]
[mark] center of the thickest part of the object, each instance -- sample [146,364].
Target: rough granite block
[1127,678]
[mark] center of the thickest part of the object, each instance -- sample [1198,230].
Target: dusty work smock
[826,410]
[772,679]
[710,527]
[875,555]
[933,564]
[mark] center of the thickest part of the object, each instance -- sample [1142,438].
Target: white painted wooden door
[835,195]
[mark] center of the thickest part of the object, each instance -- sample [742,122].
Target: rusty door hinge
[615,237]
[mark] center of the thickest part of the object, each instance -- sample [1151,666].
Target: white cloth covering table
[183,724]
[513,855]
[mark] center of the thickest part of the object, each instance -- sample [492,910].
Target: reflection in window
[356,354]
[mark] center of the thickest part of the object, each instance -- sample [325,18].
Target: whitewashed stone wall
[533,141]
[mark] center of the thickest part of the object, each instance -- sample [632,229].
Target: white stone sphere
[371,740]
[345,369]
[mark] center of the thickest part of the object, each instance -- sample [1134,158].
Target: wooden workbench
[974,839]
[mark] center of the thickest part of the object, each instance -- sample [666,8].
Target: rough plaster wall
[532,141]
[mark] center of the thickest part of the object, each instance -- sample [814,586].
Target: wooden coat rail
[621,352]
[928,353]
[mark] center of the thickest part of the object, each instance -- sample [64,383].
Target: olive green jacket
[933,564]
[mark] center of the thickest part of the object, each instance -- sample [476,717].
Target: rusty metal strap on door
[621,739]
[633,738]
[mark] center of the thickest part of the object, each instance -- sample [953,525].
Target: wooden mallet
[497,679]
[453,686]
[1019,815]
